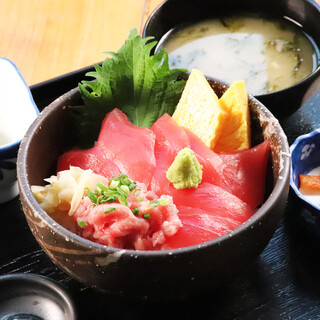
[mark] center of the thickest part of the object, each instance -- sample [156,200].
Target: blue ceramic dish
[305,156]
[17,112]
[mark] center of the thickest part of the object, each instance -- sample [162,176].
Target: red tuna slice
[243,173]
[199,226]
[92,159]
[169,135]
[129,147]
[170,139]
[212,199]
[210,161]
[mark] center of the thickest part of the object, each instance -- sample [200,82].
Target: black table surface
[283,283]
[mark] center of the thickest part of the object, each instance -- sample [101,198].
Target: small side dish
[305,176]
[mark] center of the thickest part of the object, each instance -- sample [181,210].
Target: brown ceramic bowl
[163,275]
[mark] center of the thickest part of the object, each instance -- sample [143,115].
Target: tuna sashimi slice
[92,159]
[169,135]
[129,147]
[199,226]
[244,173]
[214,200]
[170,139]
[210,161]
[206,212]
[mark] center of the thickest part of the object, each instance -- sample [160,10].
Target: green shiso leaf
[133,80]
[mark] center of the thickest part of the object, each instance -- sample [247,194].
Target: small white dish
[17,112]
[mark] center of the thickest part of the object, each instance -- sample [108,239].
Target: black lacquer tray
[283,283]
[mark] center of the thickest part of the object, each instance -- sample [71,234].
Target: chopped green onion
[100,199]
[153,204]
[111,199]
[126,189]
[126,181]
[136,192]
[114,184]
[102,186]
[92,197]
[164,202]
[117,189]
[122,196]
[146,216]
[109,210]
[135,211]
[132,186]
[140,199]
[82,224]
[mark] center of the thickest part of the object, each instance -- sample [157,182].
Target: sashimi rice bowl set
[153,182]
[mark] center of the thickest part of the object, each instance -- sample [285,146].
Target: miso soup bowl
[154,275]
[306,13]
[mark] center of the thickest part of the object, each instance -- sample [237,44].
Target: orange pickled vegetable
[309,182]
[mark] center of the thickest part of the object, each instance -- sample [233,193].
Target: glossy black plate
[284,283]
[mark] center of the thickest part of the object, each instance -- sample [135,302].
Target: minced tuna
[144,223]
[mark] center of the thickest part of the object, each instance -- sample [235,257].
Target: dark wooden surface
[283,283]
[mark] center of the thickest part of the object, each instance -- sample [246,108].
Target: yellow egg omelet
[200,111]
[236,132]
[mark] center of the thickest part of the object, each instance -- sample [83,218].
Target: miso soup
[268,55]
